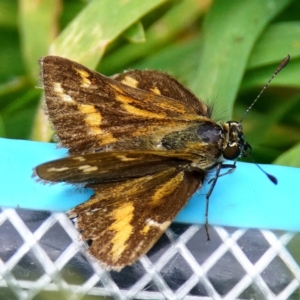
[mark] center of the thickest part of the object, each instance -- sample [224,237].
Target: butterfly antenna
[271,177]
[284,62]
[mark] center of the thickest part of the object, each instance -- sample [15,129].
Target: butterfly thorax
[202,140]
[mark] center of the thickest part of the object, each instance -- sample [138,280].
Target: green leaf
[96,26]
[135,33]
[184,54]
[38,28]
[161,33]
[290,157]
[289,77]
[8,16]
[277,41]
[2,128]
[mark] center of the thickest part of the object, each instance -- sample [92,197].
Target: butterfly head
[235,145]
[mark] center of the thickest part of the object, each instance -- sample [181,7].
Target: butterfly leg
[212,183]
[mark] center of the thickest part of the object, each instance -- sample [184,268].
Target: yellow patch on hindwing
[122,229]
[165,190]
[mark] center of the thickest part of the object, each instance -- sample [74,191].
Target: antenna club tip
[272,178]
[285,61]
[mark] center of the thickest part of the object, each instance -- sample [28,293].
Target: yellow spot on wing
[79,158]
[165,190]
[155,90]
[137,111]
[85,82]
[88,168]
[145,230]
[122,229]
[175,106]
[58,88]
[125,158]
[143,113]
[167,105]
[130,81]
[88,109]
[61,93]
[162,226]
[93,119]
[91,169]
[152,223]
[53,169]
[82,72]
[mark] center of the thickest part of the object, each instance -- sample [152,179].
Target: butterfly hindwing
[163,84]
[123,220]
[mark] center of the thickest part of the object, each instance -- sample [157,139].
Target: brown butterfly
[142,142]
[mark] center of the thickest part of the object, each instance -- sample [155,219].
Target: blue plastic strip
[245,198]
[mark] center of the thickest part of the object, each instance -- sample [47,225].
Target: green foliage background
[225,51]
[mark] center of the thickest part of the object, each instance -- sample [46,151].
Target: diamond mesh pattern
[41,257]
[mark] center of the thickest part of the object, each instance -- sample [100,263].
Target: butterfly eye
[231,152]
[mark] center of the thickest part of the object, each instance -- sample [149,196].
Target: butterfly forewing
[101,113]
[111,166]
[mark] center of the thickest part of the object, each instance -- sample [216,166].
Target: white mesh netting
[42,258]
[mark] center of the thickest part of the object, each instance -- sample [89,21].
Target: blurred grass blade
[7,14]
[97,25]
[290,157]
[157,35]
[268,121]
[2,127]
[276,42]
[230,31]
[37,21]
[184,53]
[13,85]
[288,78]
[135,33]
